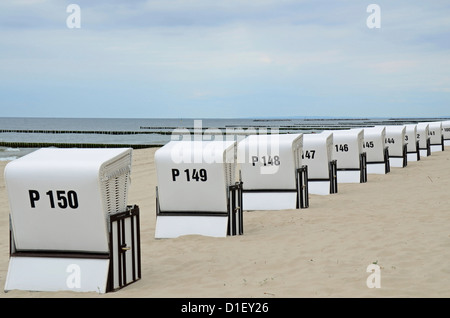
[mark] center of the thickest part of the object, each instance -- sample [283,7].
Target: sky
[224,59]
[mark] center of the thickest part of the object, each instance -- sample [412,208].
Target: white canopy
[412,142]
[59,197]
[349,154]
[193,187]
[423,136]
[436,136]
[317,155]
[268,167]
[375,147]
[446,132]
[194,176]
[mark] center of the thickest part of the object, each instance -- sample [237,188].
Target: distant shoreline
[18,135]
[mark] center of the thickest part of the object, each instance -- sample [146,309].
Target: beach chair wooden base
[399,161]
[354,175]
[319,187]
[438,146]
[325,186]
[172,224]
[81,272]
[279,199]
[425,150]
[413,156]
[376,168]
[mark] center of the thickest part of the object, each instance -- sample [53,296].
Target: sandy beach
[400,221]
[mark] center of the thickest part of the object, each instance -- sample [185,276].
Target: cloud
[390,67]
[207,54]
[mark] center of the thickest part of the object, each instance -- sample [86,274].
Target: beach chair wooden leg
[235,213]
[302,188]
[386,160]
[363,167]
[333,177]
[125,252]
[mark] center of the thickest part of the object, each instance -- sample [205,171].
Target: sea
[22,135]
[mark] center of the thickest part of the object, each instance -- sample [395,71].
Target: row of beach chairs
[204,186]
[71,227]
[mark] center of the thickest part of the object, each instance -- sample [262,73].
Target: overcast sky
[228,58]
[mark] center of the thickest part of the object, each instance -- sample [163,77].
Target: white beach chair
[71,227]
[423,136]
[395,140]
[446,132]
[349,154]
[272,172]
[197,192]
[413,152]
[436,136]
[317,156]
[376,150]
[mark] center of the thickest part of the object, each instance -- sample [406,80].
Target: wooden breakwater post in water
[15,144]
